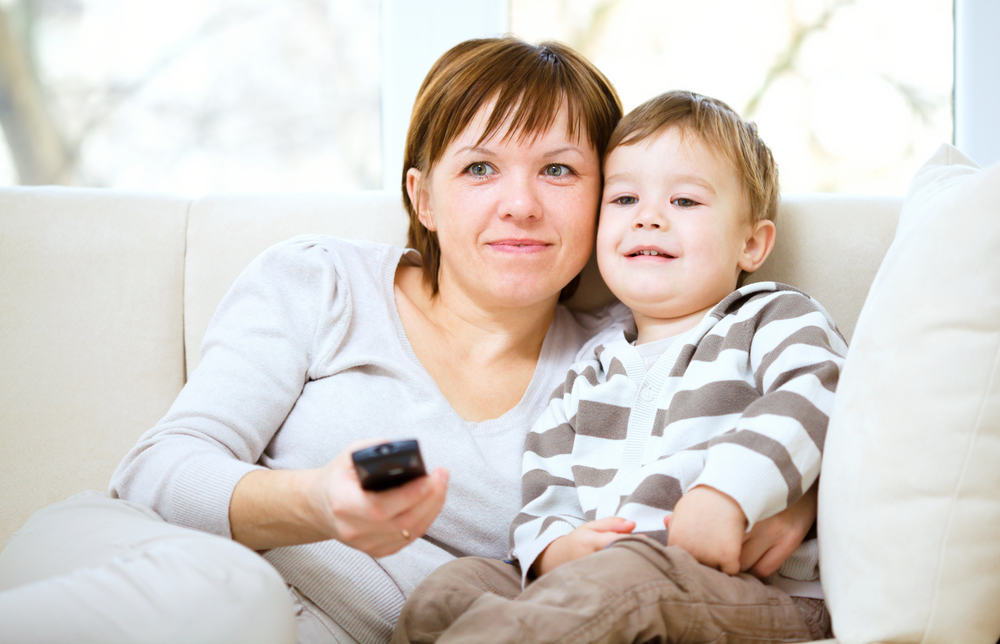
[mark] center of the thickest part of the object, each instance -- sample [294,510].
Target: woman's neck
[458,339]
[486,327]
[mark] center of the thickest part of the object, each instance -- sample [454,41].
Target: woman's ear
[758,245]
[419,198]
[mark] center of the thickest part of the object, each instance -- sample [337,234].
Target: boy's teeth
[648,252]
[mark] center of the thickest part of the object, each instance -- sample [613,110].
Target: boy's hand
[588,538]
[710,525]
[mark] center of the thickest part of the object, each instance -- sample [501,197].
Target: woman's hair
[529,84]
[722,129]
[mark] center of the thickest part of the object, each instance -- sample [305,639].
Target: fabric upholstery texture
[909,512]
[91,330]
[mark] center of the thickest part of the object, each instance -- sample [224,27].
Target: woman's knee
[114,571]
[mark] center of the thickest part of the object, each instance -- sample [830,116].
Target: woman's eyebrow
[474,149]
[483,150]
[563,150]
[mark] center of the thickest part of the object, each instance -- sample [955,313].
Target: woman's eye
[557,170]
[625,200]
[480,169]
[684,202]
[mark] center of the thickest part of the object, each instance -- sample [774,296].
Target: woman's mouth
[518,245]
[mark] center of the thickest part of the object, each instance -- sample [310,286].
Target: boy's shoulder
[772,313]
[768,299]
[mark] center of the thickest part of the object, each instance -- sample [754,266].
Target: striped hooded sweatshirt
[740,403]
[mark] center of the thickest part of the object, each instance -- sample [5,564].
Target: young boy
[662,450]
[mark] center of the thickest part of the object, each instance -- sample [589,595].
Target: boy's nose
[649,218]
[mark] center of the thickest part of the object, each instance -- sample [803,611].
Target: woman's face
[515,219]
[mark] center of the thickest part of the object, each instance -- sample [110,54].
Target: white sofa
[105,295]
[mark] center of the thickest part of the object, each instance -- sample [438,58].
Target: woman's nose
[520,199]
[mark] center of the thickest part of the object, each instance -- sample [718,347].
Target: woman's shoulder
[315,246]
[305,256]
[590,329]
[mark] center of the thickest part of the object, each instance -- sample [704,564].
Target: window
[197,96]
[851,95]
[193,96]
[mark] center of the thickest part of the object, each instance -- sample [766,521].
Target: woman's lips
[518,245]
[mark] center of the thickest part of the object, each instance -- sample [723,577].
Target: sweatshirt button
[646,394]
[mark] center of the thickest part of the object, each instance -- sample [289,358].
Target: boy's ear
[419,197]
[758,245]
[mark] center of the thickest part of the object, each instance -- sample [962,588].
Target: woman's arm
[272,508]
[774,539]
[199,467]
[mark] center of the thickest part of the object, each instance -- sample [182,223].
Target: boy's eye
[556,170]
[684,202]
[625,200]
[480,169]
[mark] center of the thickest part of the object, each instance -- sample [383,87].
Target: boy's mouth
[650,252]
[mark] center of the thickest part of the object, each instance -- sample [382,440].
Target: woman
[324,345]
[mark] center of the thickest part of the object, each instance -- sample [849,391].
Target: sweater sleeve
[551,507]
[256,356]
[773,454]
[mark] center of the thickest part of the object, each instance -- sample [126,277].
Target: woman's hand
[272,508]
[588,538]
[378,523]
[774,539]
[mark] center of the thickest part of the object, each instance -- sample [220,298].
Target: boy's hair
[721,128]
[529,84]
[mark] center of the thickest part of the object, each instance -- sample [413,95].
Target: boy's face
[674,229]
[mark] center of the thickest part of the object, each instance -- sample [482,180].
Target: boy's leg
[636,590]
[448,591]
[95,569]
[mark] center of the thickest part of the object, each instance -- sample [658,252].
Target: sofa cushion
[909,518]
[830,246]
[90,335]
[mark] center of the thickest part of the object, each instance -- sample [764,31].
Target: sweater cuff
[750,479]
[527,553]
[202,490]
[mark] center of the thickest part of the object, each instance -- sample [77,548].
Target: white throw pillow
[909,503]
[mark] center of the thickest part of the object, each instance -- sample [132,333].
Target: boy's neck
[651,329]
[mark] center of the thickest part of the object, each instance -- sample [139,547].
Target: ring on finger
[406,534]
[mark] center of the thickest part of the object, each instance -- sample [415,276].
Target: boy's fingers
[612,524]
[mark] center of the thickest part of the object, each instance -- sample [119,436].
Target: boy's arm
[773,454]
[551,512]
[727,548]
[584,540]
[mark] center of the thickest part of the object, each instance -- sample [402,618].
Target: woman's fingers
[408,514]
[419,517]
[395,501]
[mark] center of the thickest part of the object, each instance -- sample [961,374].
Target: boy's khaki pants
[636,590]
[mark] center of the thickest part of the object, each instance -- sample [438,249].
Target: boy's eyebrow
[680,178]
[695,179]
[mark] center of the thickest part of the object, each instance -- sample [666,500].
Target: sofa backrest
[105,296]
[91,335]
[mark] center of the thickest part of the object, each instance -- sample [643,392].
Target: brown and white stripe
[739,403]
